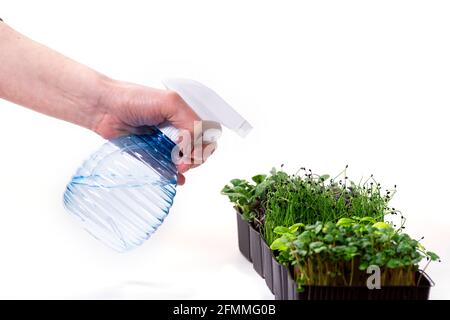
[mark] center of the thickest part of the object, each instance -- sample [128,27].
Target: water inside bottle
[124,191]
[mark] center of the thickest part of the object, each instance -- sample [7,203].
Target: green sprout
[280,199]
[338,254]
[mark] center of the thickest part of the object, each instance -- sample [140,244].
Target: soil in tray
[420,292]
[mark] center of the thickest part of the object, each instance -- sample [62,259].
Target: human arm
[39,78]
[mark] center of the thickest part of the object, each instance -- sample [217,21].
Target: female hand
[130,109]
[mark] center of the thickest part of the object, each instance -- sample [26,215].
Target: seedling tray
[256,251]
[243,229]
[280,281]
[267,264]
[420,292]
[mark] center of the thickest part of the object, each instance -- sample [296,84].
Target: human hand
[127,108]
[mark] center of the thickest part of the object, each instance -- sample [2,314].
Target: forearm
[41,79]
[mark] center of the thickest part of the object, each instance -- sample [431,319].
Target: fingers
[207,131]
[181,179]
[176,111]
[197,156]
[196,138]
[201,153]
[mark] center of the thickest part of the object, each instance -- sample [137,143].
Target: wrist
[101,102]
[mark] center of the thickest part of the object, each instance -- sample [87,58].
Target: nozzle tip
[244,129]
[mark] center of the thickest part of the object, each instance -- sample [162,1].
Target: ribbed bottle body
[124,191]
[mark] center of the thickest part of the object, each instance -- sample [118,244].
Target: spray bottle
[124,191]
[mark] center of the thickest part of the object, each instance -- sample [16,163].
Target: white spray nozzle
[208,105]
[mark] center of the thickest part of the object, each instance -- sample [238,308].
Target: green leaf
[278,244]
[345,222]
[320,249]
[295,227]
[404,247]
[351,250]
[433,256]
[363,266]
[280,230]
[317,246]
[262,187]
[259,178]
[236,182]
[325,177]
[381,225]
[226,189]
[394,263]
[236,195]
[306,236]
[318,228]
[368,219]
[328,238]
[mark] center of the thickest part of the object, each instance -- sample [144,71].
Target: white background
[324,83]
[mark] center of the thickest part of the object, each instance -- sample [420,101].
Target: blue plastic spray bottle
[124,191]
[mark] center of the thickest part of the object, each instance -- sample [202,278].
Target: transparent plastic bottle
[125,190]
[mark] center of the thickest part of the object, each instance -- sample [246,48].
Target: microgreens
[280,199]
[339,253]
[247,196]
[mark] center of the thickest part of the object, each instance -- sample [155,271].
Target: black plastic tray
[243,229]
[280,281]
[267,264]
[420,292]
[256,251]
